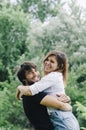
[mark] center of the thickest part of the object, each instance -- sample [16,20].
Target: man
[33,106]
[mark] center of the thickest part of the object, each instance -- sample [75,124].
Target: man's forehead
[31,70]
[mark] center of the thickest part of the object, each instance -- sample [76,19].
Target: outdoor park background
[28,30]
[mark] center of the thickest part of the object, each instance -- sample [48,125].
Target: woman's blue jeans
[64,120]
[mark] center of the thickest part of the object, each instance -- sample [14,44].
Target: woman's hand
[63,98]
[23,90]
[18,94]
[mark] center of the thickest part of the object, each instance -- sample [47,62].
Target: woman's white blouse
[51,84]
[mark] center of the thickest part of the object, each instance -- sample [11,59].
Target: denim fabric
[64,120]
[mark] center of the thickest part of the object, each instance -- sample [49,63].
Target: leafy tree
[13,33]
[76,90]
[11,111]
[81,114]
[41,9]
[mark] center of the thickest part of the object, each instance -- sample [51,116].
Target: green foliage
[13,31]
[76,89]
[81,76]
[61,34]
[13,108]
[81,113]
[41,9]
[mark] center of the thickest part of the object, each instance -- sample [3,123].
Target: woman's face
[50,64]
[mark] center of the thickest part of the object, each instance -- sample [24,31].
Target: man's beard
[25,82]
[30,82]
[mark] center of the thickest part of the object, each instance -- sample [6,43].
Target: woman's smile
[50,64]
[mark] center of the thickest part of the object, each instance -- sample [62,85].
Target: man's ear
[25,82]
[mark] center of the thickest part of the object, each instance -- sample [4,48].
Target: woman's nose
[47,62]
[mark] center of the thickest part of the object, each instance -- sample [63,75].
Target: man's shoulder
[36,98]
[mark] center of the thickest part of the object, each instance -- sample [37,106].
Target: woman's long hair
[62,63]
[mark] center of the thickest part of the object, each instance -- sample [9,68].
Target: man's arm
[52,101]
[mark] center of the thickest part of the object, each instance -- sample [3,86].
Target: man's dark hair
[26,66]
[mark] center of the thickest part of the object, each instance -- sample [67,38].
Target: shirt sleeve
[34,99]
[43,84]
[38,97]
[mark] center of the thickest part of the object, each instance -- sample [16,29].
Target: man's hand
[63,98]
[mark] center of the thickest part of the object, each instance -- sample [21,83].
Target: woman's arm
[23,90]
[52,101]
[41,85]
